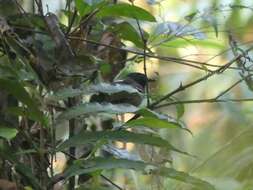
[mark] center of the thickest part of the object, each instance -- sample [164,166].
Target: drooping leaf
[127,32]
[184,177]
[22,111]
[7,132]
[152,122]
[18,91]
[98,164]
[126,10]
[212,20]
[93,89]
[153,119]
[94,108]
[82,7]
[124,136]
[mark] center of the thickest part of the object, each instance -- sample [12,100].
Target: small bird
[136,80]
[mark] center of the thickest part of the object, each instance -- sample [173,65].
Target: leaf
[126,10]
[124,136]
[7,132]
[180,110]
[152,122]
[189,17]
[25,172]
[212,20]
[157,120]
[97,164]
[184,177]
[177,29]
[82,7]
[94,108]
[93,89]
[127,32]
[22,111]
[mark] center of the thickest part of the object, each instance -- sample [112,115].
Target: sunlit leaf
[82,7]
[126,10]
[7,132]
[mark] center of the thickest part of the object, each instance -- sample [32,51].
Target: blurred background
[222,132]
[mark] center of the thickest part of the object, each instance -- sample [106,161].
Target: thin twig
[198,101]
[111,182]
[183,87]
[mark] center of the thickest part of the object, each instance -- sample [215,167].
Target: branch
[210,74]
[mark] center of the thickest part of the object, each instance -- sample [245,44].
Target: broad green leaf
[211,20]
[92,89]
[82,7]
[7,132]
[126,10]
[98,164]
[124,136]
[94,108]
[156,120]
[184,177]
[21,111]
[127,32]
[152,122]
[19,92]
[180,110]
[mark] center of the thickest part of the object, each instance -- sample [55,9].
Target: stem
[71,185]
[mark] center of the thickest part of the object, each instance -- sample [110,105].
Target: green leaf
[124,136]
[152,122]
[97,164]
[153,119]
[126,10]
[22,111]
[180,110]
[127,32]
[25,172]
[184,177]
[7,132]
[82,7]
[94,108]
[93,89]
[18,91]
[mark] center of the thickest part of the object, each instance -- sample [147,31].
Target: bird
[136,80]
